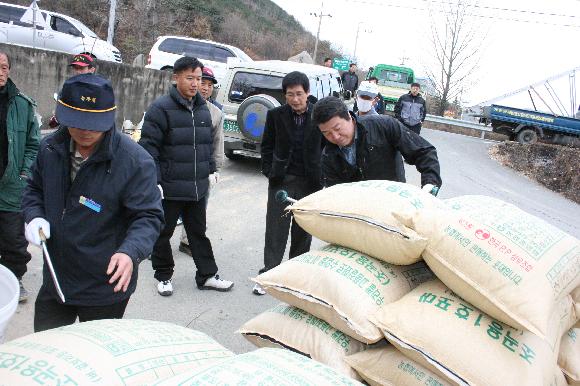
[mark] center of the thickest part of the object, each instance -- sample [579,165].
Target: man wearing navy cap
[94,195]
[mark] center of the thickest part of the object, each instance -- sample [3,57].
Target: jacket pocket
[278,167]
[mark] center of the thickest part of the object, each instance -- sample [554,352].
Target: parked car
[250,89]
[167,49]
[54,31]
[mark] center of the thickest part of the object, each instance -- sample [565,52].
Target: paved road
[236,227]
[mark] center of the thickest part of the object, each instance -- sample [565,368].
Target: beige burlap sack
[342,287]
[437,329]
[266,366]
[374,217]
[106,352]
[569,357]
[387,366]
[513,266]
[285,326]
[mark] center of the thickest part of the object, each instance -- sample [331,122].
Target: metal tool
[282,196]
[49,264]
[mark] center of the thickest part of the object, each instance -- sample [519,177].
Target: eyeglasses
[291,95]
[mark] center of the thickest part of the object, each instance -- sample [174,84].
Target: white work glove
[214,178]
[31,230]
[160,191]
[431,189]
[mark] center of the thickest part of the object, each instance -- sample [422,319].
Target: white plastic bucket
[9,294]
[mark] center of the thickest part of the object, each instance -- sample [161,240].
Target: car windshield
[392,76]
[241,54]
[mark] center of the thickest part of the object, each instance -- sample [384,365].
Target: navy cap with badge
[87,102]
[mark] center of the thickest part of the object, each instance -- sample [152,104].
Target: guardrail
[456,122]
[458,126]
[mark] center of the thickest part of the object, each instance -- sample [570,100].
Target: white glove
[160,191]
[214,178]
[431,189]
[31,230]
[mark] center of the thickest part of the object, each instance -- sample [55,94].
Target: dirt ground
[554,166]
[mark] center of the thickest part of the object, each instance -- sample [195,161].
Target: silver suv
[249,90]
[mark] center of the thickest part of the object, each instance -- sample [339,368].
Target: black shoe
[185,249]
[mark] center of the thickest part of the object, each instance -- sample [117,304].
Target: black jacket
[349,81]
[380,143]
[411,110]
[277,145]
[120,178]
[180,141]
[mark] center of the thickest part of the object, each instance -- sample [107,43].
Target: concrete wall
[39,74]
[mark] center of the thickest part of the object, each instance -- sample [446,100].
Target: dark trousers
[193,214]
[50,313]
[278,223]
[416,128]
[13,244]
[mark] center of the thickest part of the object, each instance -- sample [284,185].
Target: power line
[470,14]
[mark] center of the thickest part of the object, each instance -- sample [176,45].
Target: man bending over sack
[369,147]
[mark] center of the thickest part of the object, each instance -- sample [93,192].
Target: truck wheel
[252,115]
[527,136]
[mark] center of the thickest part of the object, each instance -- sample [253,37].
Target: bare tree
[456,41]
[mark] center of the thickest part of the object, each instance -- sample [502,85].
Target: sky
[525,41]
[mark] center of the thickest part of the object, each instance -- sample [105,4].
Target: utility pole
[320,15]
[111,30]
[356,39]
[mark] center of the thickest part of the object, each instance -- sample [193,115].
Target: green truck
[394,81]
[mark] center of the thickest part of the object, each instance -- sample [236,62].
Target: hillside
[259,27]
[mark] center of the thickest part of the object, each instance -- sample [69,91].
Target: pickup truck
[528,126]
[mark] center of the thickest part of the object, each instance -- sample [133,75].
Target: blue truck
[528,126]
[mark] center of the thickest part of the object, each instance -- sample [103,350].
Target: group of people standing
[102,203]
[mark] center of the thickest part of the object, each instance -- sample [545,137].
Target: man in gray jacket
[411,109]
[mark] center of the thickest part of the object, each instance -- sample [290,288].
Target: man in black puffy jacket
[370,148]
[177,133]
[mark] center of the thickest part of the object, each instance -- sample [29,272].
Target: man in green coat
[19,141]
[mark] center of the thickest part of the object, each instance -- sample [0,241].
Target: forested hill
[259,27]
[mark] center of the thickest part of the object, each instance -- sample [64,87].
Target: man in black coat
[370,147]
[291,147]
[93,194]
[177,133]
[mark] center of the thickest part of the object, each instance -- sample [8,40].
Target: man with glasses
[291,147]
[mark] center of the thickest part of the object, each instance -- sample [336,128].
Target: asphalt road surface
[236,220]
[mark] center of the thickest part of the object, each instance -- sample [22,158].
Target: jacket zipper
[194,155]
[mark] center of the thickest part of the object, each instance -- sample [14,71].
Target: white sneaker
[258,290]
[216,284]
[165,288]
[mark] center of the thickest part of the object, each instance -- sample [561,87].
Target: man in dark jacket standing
[411,109]
[350,79]
[177,133]
[93,194]
[19,138]
[291,147]
[367,148]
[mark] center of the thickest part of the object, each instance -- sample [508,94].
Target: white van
[54,31]
[167,49]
